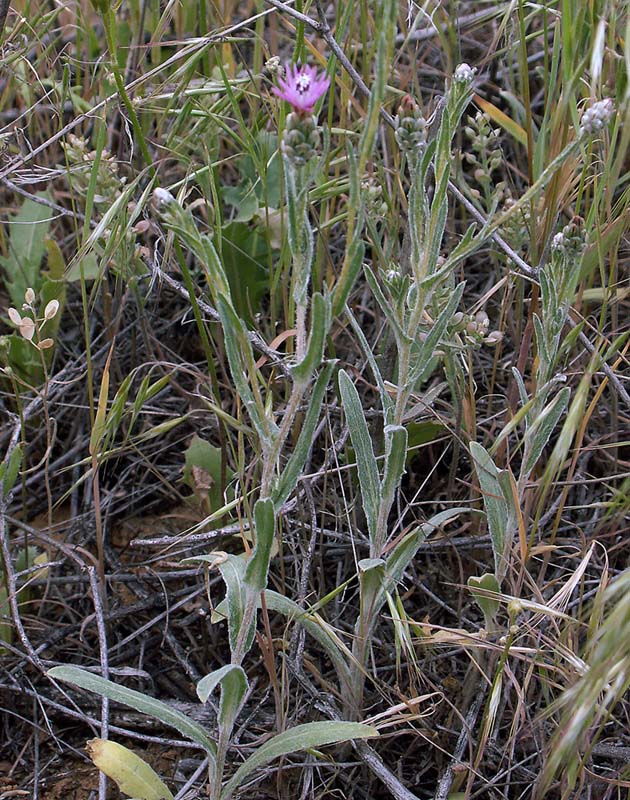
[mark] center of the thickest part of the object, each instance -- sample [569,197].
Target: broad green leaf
[28,231]
[367,468]
[243,198]
[233,682]
[423,432]
[88,266]
[133,776]
[302,737]
[488,604]
[201,455]
[54,286]
[245,256]
[137,700]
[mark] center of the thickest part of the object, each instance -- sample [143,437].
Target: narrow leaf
[494,503]
[541,429]
[318,629]
[425,358]
[386,400]
[237,345]
[137,700]
[320,325]
[11,469]
[349,273]
[258,566]
[294,466]
[502,119]
[403,553]
[366,461]
[395,457]
[302,737]
[99,421]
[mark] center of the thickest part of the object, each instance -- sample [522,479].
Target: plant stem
[109,24]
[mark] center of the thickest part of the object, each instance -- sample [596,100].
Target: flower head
[464,74]
[302,87]
[596,117]
[411,126]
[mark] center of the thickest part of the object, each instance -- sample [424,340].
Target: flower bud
[273,65]
[596,117]
[29,296]
[464,74]
[411,126]
[162,198]
[300,141]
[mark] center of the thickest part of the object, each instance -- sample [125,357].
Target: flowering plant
[302,87]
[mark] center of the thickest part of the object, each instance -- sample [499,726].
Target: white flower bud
[557,243]
[162,197]
[464,74]
[51,309]
[273,65]
[596,117]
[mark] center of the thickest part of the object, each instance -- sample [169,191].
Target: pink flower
[302,87]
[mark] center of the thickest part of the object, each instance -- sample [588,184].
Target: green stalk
[109,24]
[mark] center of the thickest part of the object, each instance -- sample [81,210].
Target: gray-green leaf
[137,700]
[302,737]
[366,461]
[233,682]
